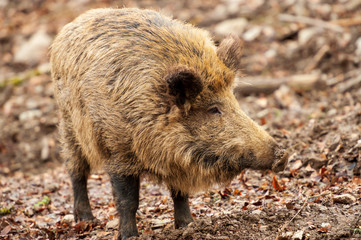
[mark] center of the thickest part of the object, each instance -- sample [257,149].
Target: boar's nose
[280,160]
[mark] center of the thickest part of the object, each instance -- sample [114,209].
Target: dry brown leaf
[276,185]
[323,230]
[5,231]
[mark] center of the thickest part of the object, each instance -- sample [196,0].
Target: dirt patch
[250,208]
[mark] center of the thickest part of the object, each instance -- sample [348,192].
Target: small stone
[306,35]
[325,225]
[158,223]
[31,103]
[263,228]
[69,218]
[3,3]
[35,49]
[358,144]
[45,150]
[39,89]
[358,46]
[344,40]
[257,212]
[344,199]
[252,33]
[332,112]
[219,12]
[112,224]
[269,32]
[323,9]
[292,49]
[270,54]
[297,235]
[28,115]
[44,68]
[222,238]
[273,218]
[255,215]
[235,26]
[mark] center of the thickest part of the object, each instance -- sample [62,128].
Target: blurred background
[305,53]
[301,81]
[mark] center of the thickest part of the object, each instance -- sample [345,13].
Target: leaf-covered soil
[319,122]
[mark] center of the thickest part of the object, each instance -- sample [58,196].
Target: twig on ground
[357,221]
[310,21]
[302,82]
[317,58]
[343,77]
[5,94]
[320,195]
[280,230]
[349,84]
[284,226]
[347,22]
[352,4]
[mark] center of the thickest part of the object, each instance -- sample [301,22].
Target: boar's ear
[230,52]
[184,84]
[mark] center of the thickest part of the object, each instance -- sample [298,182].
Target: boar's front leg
[126,194]
[82,210]
[182,213]
[78,169]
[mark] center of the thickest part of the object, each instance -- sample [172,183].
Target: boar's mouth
[281,157]
[209,160]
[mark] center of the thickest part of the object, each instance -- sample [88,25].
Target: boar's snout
[280,160]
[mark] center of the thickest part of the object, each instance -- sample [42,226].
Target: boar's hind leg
[126,194]
[182,213]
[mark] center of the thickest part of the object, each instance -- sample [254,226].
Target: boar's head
[222,140]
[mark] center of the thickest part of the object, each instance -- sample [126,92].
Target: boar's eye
[214,110]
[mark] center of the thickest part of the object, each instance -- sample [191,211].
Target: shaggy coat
[142,94]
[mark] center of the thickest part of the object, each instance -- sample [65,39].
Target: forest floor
[302,84]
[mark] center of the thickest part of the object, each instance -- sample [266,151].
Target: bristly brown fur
[111,68]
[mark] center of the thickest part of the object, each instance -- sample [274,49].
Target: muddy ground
[301,82]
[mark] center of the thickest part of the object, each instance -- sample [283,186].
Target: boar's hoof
[125,236]
[90,219]
[84,216]
[281,157]
[182,224]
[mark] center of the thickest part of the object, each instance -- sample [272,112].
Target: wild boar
[142,94]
